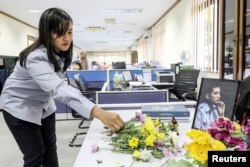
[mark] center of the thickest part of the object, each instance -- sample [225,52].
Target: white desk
[111,159]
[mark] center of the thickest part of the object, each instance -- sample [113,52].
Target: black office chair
[90,94]
[184,86]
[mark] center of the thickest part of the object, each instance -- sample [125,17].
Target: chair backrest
[82,86]
[81,82]
[186,81]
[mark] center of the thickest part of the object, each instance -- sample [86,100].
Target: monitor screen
[119,65]
[127,76]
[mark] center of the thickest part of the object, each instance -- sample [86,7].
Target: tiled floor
[10,155]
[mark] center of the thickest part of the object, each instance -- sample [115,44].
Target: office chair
[185,84]
[80,83]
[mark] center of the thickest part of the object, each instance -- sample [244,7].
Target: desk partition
[111,73]
[94,78]
[121,97]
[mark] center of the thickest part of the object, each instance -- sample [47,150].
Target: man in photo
[210,107]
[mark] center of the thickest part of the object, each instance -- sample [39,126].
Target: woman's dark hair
[78,63]
[53,20]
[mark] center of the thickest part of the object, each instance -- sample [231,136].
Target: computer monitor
[119,65]
[127,76]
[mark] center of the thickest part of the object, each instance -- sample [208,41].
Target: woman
[76,65]
[28,95]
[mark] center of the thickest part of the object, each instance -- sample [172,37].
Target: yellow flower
[157,122]
[150,128]
[161,136]
[237,127]
[150,140]
[133,142]
[136,154]
[218,145]
[199,136]
[148,120]
[198,152]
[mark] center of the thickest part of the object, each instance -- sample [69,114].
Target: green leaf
[157,154]
[99,161]
[179,163]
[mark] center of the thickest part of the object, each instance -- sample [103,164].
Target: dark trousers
[37,143]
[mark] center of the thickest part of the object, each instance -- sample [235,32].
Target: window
[205,28]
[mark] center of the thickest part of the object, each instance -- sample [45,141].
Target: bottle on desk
[116,80]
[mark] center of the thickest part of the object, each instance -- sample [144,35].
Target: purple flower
[237,142]
[166,152]
[139,117]
[94,148]
[177,147]
[157,144]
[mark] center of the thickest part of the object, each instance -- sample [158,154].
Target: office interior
[149,39]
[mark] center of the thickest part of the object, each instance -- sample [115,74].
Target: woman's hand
[111,120]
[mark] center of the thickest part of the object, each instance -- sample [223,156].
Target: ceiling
[118,33]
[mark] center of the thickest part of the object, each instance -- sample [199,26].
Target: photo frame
[217,97]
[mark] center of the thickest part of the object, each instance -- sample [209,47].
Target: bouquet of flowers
[143,137]
[222,135]
[230,133]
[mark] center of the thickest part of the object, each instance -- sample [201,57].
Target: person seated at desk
[85,63]
[103,66]
[76,65]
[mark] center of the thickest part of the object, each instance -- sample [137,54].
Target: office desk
[161,85]
[105,96]
[112,159]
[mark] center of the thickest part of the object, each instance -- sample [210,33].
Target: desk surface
[160,83]
[109,158]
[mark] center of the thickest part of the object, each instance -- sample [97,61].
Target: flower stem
[132,163]
[164,163]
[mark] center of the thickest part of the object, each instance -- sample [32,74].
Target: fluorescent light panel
[34,10]
[122,10]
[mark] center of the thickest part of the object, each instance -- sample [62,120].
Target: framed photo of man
[217,98]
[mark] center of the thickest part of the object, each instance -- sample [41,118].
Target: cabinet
[7,64]
[234,39]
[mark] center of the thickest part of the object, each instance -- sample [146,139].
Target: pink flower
[139,117]
[219,134]
[94,148]
[247,129]
[237,142]
[166,152]
[222,123]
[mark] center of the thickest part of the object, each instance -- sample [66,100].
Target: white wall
[13,38]
[178,33]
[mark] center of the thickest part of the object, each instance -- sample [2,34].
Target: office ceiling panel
[99,25]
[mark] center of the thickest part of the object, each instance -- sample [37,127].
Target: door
[134,57]
[235,33]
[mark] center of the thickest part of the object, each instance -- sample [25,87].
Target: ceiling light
[110,20]
[34,10]
[229,21]
[95,29]
[122,10]
[125,24]
[102,42]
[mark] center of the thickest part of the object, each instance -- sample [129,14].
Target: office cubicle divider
[111,73]
[121,97]
[97,78]
[94,78]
